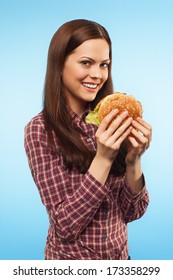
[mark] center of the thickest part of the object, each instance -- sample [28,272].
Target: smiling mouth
[91,86]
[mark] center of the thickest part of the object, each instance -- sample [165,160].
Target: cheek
[105,76]
[76,73]
[79,73]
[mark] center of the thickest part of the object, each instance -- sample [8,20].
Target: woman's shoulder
[36,120]
[37,131]
[35,127]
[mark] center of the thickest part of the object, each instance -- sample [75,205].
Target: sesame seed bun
[122,102]
[117,100]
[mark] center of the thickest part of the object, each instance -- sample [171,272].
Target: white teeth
[89,85]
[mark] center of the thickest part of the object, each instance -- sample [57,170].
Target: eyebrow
[105,60]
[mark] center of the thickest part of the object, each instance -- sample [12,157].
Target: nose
[95,72]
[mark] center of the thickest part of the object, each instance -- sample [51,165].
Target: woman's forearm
[100,168]
[134,176]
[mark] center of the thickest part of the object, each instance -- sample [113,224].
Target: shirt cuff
[85,201]
[130,194]
[97,190]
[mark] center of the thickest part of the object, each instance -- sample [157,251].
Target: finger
[140,127]
[120,140]
[144,123]
[138,147]
[116,128]
[133,141]
[106,121]
[140,138]
[143,127]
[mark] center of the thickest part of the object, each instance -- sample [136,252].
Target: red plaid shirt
[88,220]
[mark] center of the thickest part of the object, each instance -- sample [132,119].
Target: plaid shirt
[88,220]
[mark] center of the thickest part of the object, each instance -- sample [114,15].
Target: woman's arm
[109,137]
[134,176]
[134,197]
[71,207]
[138,143]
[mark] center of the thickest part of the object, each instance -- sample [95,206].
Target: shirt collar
[76,117]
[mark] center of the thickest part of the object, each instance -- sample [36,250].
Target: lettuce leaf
[93,117]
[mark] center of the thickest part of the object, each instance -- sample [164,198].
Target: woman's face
[84,73]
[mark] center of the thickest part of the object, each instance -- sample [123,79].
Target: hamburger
[117,100]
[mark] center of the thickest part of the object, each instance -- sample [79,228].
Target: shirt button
[34,172]
[105,235]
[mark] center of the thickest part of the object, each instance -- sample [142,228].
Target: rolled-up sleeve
[70,208]
[133,205]
[77,211]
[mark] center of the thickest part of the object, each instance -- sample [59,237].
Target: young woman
[89,179]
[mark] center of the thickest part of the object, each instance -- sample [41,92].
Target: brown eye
[85,62]
[105,65]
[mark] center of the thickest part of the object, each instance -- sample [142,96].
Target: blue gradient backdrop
[142,36]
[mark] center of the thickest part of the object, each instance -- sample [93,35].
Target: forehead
[97,48]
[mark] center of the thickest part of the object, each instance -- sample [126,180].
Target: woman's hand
[110,135]
[138,141]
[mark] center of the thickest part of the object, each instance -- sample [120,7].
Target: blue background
[142,36]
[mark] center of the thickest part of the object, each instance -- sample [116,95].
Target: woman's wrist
[134,175]
[100,168]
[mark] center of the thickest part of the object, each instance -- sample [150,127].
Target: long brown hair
[57,118]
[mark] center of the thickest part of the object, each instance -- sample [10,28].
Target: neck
[78,107]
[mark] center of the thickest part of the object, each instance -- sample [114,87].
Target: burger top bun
[117,100]
[122,102]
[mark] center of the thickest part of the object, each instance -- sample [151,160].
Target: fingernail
[125,113]
[115,111]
